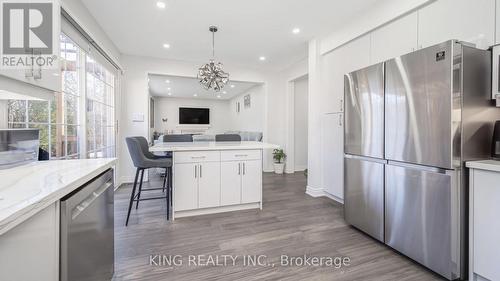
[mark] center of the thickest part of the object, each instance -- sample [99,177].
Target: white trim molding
[319,192]
[314,191]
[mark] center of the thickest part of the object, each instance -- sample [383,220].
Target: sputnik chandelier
[211,75]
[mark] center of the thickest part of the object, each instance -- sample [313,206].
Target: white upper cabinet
[465,20]
[394,39]
[351,56]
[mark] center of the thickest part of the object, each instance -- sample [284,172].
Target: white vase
[279,168]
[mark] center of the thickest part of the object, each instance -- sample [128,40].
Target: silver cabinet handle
[240,155]
[201,175]
[197,157]
[239,168]
[195,171]
[243,168]
[340,120]
[341,105]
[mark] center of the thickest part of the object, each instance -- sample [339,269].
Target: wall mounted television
[194,116]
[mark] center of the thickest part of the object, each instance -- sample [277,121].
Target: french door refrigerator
[437,115]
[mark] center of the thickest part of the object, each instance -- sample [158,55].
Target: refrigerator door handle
[364,158]
[419,167]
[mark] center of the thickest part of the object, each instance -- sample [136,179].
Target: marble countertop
[489,165]
[27,189]
[203,146]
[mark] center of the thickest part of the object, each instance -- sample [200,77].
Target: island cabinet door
[185,186]
[230,183]
[251,181]
[209,184]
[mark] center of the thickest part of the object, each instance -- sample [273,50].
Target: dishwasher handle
[78,209]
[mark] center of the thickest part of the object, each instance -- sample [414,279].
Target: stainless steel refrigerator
[437,114]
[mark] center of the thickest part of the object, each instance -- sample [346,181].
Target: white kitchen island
[215,177]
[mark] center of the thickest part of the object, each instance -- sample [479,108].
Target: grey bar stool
[228,137]
[143,159]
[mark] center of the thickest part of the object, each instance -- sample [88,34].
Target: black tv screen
[189,115]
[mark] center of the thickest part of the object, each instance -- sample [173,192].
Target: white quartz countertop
[489,165]
[27,189]
[202,146]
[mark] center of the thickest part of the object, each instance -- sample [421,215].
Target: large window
[80,121]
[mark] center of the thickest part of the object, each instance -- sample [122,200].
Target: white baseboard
[126,179]
[300,168]
[319,192]
[333,197]
[314,191]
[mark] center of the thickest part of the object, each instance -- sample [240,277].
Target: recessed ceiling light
[169,94]
[166,46]
[218,96]
[262,58]
[296,30]
[195,95]
[232,86]
[167,81]
[161,5]
[168,88]
[224,92]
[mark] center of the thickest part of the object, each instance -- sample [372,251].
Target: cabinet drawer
[196,156]
[236,155]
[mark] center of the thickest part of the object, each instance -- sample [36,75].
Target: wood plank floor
[291,223]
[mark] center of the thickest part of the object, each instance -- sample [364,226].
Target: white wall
[300,122]
[248,119]
[166,107]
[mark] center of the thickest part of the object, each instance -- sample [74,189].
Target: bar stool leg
[170,182]
[140,189]
[168,204]
[132,196]
[165,179]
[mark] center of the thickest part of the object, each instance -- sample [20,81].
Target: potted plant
[279,157]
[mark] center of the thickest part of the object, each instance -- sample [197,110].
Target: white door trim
[290,123]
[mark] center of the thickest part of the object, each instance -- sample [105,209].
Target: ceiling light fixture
[169,94]
[218,96]
[232,86]
[296,30]
[262,58]
[166,46]
[195,95]
[167,81]
[161,5]
[212,75]
[224,92]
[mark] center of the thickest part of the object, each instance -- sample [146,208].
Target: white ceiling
[187,87]
[248,29]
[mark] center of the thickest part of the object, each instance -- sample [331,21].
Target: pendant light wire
[213,44]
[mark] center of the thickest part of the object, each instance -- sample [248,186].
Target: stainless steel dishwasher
[87,231]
